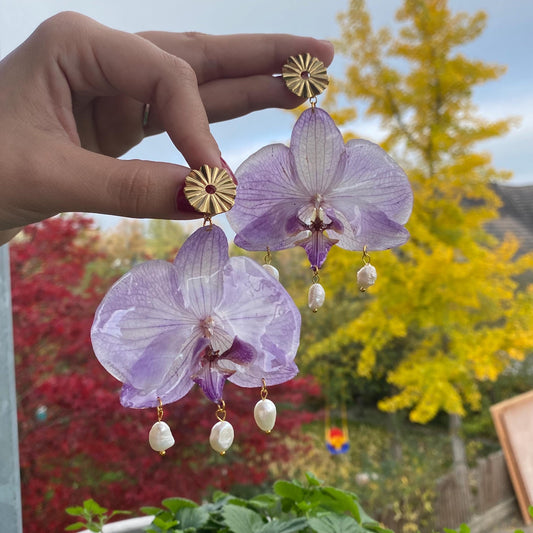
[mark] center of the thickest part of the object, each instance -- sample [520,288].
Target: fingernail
[226,167]
[182,204]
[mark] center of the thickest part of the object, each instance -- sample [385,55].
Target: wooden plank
[453,506]
[513,420]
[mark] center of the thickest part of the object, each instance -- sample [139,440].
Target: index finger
[99,61]
[238,56]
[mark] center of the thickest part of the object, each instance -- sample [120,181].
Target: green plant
[94,516]
[291,507]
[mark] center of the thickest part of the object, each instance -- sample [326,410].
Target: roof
[516,214]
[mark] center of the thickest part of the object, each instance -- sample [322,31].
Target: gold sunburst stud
[305,75]
[210,190]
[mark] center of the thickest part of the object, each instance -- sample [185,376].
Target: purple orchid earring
[204,319]
[320,191]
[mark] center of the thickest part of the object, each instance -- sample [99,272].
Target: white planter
[132,525]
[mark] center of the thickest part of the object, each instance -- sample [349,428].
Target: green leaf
[264,501]
[94,508]
[518,531]
[219,495]
[233,500]
[341,501]
[117,512]
[312,480]
[287,489]
[374,527]
[164,524]
[175,504]
[241,519]
[284,526]
[334,523]
[192,517]
[463,528]
[75,511]
[150,510]
[75,526]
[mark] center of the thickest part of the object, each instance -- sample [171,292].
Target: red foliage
[89,445]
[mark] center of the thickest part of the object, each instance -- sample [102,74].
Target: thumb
[85,181]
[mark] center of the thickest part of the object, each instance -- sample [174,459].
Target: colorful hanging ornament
[203,319]
[319,191]
[337,438]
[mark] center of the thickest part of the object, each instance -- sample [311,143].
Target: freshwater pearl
[221,437]
[160,437]
[265,415]
[366,277]
[272,270]
[316,297]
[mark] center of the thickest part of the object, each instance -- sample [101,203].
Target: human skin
[72,99]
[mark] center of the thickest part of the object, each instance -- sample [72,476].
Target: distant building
[516,214]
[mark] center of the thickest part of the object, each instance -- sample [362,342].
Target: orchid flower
[204,319]
[292,196]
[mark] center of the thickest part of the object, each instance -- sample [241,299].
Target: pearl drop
[366,277]
[265,415]
[272,270]
[160,437]
[221,437]
[316,297]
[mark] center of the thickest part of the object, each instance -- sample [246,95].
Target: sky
[508,40]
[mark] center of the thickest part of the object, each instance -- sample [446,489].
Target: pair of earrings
[207,318]
[222,433]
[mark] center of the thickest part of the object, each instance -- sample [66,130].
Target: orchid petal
[240,353]
[316,149]
[267,195]
[372,178]
[370,228]
[213,375]
[199,262]
[141,306]
[264,316]
[317,246]
[174,385]
[211,381]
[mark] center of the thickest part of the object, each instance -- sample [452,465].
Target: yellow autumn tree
[447,311]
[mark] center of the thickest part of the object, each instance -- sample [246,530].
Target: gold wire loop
[207,221]
[313,101]
[365,257]
[264,391]
[268,256]
[221,411]
[316,277]
[159,410]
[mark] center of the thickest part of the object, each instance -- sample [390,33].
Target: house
[516,214]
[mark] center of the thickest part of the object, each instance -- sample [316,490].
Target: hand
[72,99]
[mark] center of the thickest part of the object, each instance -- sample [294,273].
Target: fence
[481,496]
